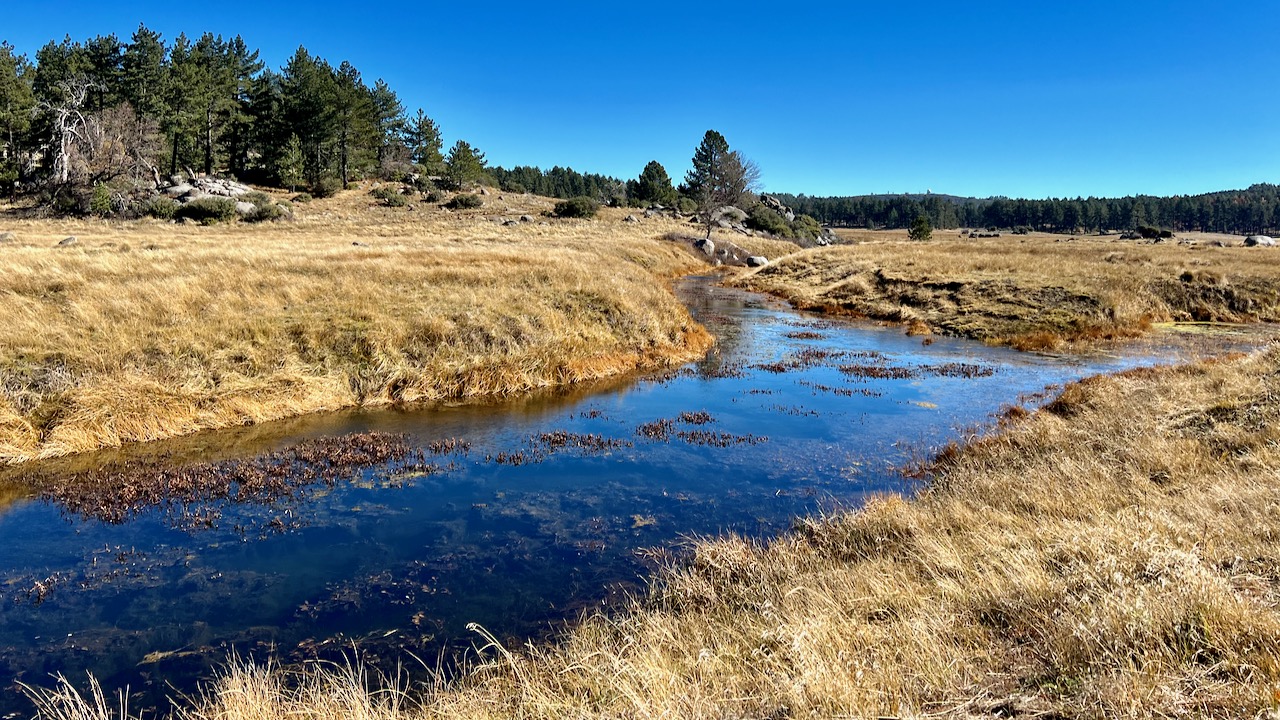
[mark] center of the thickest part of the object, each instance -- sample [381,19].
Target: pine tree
[653,186]
[422,136]
[465,165]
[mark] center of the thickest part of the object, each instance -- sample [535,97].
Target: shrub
[327,186]
[267,211]
[807,227]
[207,210]
[100,203]
[159,207]
[390,196]
[920,230]
[433,196]
[302,198]
[256,197]
[760,217]
[579,207]
[464,202]
[686,205]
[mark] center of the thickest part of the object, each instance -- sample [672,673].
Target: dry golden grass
[145,330]
[1034,292]
[1114,554]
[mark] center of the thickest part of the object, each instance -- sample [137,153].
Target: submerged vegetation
[1112,554]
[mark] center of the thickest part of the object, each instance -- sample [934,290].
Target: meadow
[1034,292]
[145,330]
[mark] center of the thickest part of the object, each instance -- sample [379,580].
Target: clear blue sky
[1025,99]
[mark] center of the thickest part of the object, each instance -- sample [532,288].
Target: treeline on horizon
[1253,210]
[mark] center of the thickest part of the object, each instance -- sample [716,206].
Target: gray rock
[176,180]
[68,241]
[8,237]
[631,219]
[651,213]
[244,208]
[511,223]
[526,218]
[706,246]
[1259,241]
[729,213]
[178,190]
[757,261]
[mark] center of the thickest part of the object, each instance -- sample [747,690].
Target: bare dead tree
[71,125]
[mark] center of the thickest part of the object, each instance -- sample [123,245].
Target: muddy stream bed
[391,531]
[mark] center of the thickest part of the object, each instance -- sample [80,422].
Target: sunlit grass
[147,330]
[1033,292]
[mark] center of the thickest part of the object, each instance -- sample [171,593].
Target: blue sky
[1024,99]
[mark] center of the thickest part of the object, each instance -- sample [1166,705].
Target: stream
[516,515]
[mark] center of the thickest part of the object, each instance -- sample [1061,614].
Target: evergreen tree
[142,73]
[653,186]
[920,230]
[422,137]
[720,177]
[388,121]
[17,102]
[465,165]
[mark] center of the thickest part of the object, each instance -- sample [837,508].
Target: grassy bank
[146,330]
[1033,292]
[1113,554]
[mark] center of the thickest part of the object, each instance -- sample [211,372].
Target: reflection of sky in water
[404,566]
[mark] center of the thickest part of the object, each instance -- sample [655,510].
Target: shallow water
[538,519]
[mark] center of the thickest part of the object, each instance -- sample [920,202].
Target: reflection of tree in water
[720,311]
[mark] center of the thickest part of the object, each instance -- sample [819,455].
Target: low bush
[579,207]
[268,211]
[162,208]
[302,198]
[465,201]
[326,187]
[433,196]
[686,205]
[390,195]
[760,217]
[806,227]
[207,210]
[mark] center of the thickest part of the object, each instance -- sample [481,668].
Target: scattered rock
[706,246]
[526,218]
[245,208]
[651,213]
[510,223]
[178,190]
[357,243]
[757,261]
[631,219]
[1259,241]
[8,237]
[68,241]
